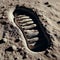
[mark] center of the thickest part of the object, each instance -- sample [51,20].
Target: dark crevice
[2,41]
[44,41]
[10,49]
[17,40]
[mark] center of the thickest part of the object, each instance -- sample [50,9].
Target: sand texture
[32,37]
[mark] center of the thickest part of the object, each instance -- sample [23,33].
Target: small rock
[2,7]
[3,23]
[24,53]
[53,55]
[2,41]
[11,26]
[21,53]
[1,17]
[24,57]
[58,22]
[14,47]
[10,4]
[17,40]
[19,49]
[15,58]
[49,6]
[38,59]
[46,3]
[10,49]
[55,34]
[5,40]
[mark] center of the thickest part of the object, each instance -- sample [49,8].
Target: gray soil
[11,46]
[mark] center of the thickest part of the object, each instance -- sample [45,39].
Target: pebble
[2,41]
[10,49]
[14,47]
[17,40]
[46,3]
[5,40]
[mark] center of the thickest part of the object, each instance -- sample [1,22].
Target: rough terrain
[11,45]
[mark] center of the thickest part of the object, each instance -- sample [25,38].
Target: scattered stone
[24,57]
[10,49]
[1,17]
[17,40]
[49,6]
[14,47]
[24,53]
[5,40]
[46,3]
[55,34]
[11,26]
[53,55]
[10,4]
[21,53]
[15,58]
[19,49]
[38,59]
[46,52]
[38,2]
[3,23]
[1,31]
[58,22]
[3,34]
[15,55]
[2,41]
[2,7]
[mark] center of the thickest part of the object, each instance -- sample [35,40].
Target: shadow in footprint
[44,41]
